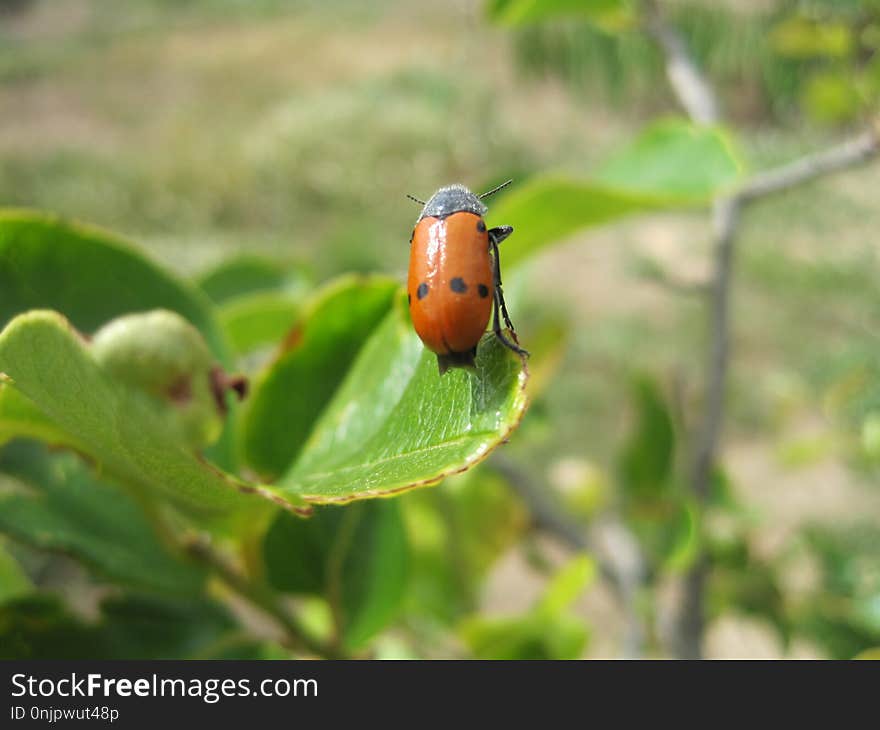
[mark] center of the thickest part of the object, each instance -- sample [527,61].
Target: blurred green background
[203,129]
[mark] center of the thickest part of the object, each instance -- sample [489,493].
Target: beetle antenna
[414,198]
[495,190]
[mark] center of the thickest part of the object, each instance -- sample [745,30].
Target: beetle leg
[496,272]
[496,329]
[499,233]
[500,308]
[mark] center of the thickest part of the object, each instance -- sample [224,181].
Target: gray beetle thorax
[452,199]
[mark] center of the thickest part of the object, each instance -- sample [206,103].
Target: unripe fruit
[161,354]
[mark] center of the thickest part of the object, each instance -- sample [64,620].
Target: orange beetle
[454,282]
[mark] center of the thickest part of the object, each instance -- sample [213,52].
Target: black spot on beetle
[457,285]
[422,291]
[481,227]
[483,290]
[409,298]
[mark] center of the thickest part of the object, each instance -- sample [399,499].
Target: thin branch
[727,214]
[546,516]
[692,89]
[696,96]
[297,637]
[612,545]
[726,221]
[856,151]
[689,624]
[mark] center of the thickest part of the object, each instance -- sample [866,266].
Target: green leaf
[89,275]
[69,511]
[674,161]
[832,97]
[548,209]
[357,558]
[92,276]
[870,436]
[672,164]
[395,424]
[519,12]
[803,38]
[645,463]
[119,427]
[656,508]
[13,580]
[457,533]
[19,417]
[842,612]
[291,393]
[741,582]
[255,320]
[38,626]
[546,631]
[484,515]
[148,627]
[247,274]
[721,492]
[547,345]
[684,538]
[529,638]
[567,585]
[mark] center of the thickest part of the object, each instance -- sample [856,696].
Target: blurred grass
[280,127]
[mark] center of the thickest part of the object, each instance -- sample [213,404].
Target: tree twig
[860,149]
[726,220]
[696,96]
[297,637]
[692,89]
[689,622]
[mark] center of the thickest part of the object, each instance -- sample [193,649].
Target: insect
[454,282]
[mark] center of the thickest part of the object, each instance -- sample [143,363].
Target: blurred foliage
[518,12]
[260,162]
[843,612]
[64,508]
[818,57]
[357,558]
[39,626]
[546,631]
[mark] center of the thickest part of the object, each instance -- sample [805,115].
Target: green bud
[164,356]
